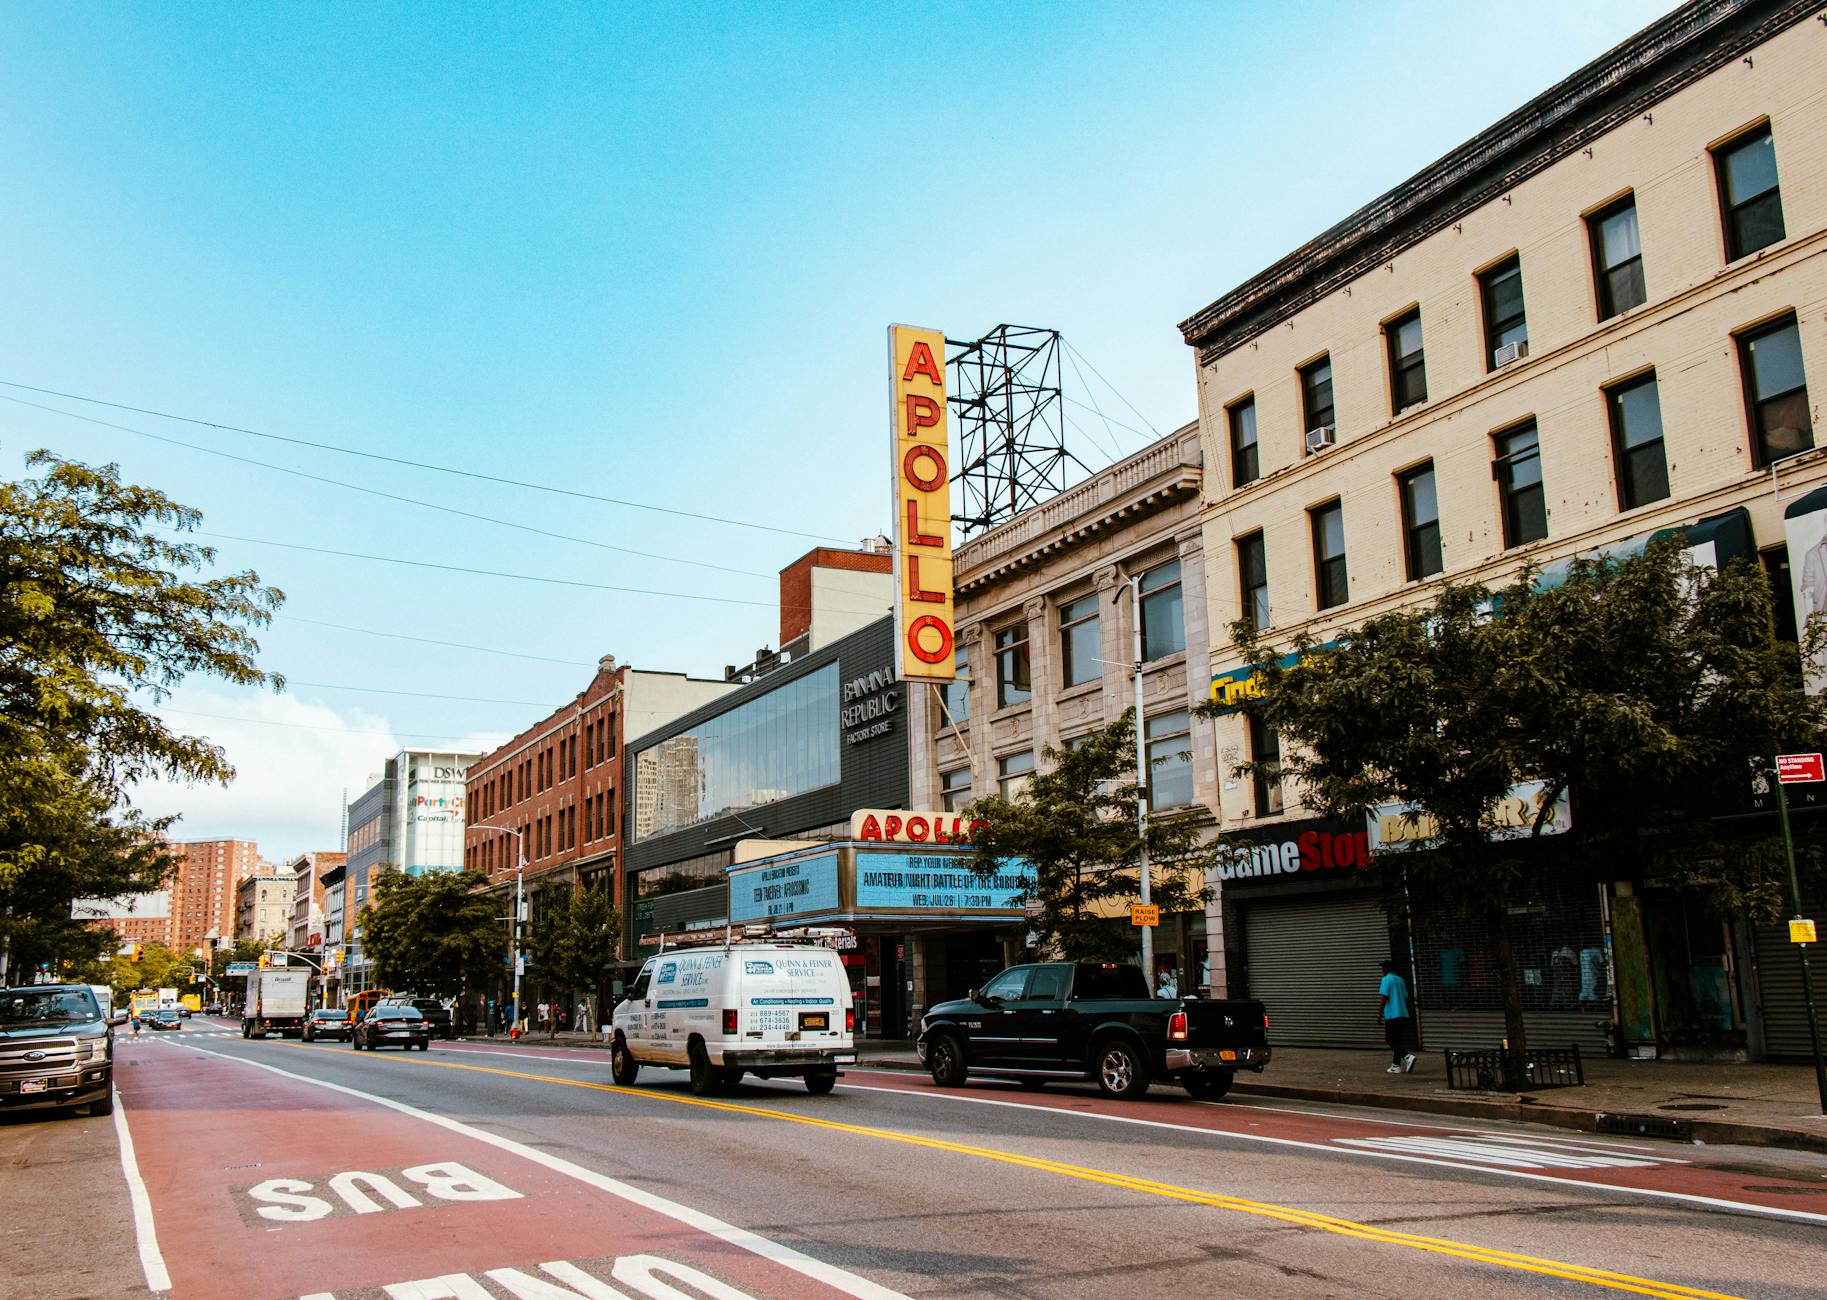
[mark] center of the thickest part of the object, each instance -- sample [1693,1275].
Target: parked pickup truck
[1067,1020]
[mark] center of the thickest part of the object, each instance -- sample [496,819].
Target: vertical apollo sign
[923,505]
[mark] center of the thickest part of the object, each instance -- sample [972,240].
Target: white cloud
[293,763]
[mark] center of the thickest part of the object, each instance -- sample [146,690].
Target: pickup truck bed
[1066,1020]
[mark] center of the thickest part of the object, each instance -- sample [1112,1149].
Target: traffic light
[266,959]
[134,951]
[336,956]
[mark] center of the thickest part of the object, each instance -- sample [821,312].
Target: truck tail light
[1176,1027]
[849,1020]
[729,1020]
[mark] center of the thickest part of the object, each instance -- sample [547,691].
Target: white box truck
[277,1001]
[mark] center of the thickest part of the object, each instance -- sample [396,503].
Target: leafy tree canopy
[1076,822]
[431,933]
[574,938]
[102,613]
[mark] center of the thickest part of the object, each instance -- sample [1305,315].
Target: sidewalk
[1751,1105]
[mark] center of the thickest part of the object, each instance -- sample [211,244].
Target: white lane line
[1566,1184]
[152,1261]
[839,1279]
[1249,1103]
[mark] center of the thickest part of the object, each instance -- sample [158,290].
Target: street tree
[574,941]
[1645,687]
[433,933]
[1076,822]
[103,611]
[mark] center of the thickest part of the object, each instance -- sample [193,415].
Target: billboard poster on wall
[1805,530]
[919,433]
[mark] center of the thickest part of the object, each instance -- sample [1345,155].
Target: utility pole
[520,909]
[1795,899]
[1148,931]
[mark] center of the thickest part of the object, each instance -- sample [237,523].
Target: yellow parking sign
[1801,930]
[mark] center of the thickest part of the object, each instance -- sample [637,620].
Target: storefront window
[770,748]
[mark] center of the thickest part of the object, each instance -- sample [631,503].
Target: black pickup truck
[1077,1020]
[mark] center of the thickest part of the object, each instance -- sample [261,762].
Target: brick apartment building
[557,785]
[203,891]
[305,931]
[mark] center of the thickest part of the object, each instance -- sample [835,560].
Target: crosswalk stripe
[1516,1153]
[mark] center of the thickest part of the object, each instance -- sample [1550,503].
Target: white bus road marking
[839,1279]
[286,1200]
[1495,1171]
[648,1275]
[152,1261]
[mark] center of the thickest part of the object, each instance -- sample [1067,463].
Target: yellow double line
[1261,1209]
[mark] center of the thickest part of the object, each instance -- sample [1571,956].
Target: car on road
[768,1008]
[327,1022]
[164,1018]
[1057,1021]
[215,1009]
[392,1026]
[436,1014]
[56,1049]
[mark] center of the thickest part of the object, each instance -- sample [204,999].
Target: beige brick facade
[1697,302]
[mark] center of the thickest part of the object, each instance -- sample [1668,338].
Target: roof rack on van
[827,936]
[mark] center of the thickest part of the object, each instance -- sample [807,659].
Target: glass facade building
[771,747]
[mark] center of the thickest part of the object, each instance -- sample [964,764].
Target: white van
[769,1009]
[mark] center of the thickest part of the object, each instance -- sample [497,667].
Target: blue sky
[643,252]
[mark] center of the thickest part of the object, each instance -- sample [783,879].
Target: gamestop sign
[923,623]
[1330,852]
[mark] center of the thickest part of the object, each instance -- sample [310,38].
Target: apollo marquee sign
[924,620]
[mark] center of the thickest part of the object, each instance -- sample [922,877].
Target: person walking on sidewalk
[1398,1020]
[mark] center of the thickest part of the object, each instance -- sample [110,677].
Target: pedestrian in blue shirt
[1398,1020]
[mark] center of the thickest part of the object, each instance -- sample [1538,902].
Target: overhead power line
[312,726]
[421,465]
[376,492]
[1107,384]
[426,640]
[416,695]
[488,573]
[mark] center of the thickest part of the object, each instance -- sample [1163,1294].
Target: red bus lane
[263,1184]
[1665,1170]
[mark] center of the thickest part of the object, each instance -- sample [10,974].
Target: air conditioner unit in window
[1321,438]
[1511,352]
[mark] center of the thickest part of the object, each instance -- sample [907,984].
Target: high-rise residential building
[202,892]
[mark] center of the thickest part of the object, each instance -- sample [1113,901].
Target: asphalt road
[478,1171]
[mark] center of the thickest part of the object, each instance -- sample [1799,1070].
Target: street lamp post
[1135,612]
[520,905]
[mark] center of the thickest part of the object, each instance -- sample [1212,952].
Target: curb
[1525,1109]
